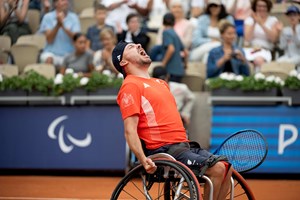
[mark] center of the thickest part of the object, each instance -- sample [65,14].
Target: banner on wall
[86,137]
[279,124]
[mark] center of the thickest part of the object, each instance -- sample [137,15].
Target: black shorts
[195,158]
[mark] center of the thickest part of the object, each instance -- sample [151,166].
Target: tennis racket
[245,150]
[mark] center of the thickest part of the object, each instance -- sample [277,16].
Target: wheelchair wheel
[241,188]
[170,181]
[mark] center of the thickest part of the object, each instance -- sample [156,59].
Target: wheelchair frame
[176,178]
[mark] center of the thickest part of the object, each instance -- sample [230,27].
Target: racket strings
[245,151]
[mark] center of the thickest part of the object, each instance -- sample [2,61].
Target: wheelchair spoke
[169,182]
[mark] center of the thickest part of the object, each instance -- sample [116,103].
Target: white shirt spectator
[260,38]
[237,8]
[118,15]
[159,8]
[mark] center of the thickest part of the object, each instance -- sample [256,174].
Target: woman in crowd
[102,57]
[261,33]
[227,57]
[206,35]
[183,27]
[81,60]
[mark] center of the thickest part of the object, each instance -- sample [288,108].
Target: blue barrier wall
[279,124]
[86,137]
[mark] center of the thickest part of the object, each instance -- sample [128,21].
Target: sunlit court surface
[99,187]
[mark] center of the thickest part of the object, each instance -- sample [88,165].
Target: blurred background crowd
[204,37]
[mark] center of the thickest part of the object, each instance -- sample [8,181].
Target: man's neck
[140,71]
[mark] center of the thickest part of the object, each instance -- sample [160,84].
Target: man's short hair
[130,16]
[169,19]
[99,6]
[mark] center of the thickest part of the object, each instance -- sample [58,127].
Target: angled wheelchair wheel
[170,181]
[241,189]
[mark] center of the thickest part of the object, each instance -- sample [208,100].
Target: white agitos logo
[61,142]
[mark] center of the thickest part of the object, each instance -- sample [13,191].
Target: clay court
[70,188]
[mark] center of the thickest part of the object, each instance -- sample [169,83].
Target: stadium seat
[79,5]
[85,23]
[36,39]
[5,43]
[8,70]
[277,69]
[152,36]
[34,17]
[197,68]
[44,69]
[87,12]
[194,81]
[24,54]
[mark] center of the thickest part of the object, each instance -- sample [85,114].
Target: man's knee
[217,171]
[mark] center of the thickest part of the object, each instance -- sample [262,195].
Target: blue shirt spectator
[227,58]
[174,65]
[172,48]
[237,66]
[93,33]
[59,26]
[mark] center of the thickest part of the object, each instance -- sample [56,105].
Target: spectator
[184,97]
[95,30]
[158,9]
[227,58]
[48,5]
[59,26]
[183,27]
[261,33]
[120,9]
[206,34]
[196,8]
[102,57]
[81,60]
[240,10]
[13,19]
[290,37]
[172,45]
[134,33]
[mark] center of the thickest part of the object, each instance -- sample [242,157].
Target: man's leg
[220,177]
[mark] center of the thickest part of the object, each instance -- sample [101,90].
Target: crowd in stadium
[224,35]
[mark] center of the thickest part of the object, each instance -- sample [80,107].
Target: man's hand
[149,166]
[60,18]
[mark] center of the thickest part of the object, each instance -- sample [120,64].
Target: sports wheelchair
[174,180]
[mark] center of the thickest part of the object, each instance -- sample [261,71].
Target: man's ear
[123,63]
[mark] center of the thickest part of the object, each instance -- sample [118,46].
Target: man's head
[129,54]
[100,13]
[61,5]
[169,19]
[133,22]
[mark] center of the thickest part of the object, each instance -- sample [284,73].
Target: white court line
[38,198]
